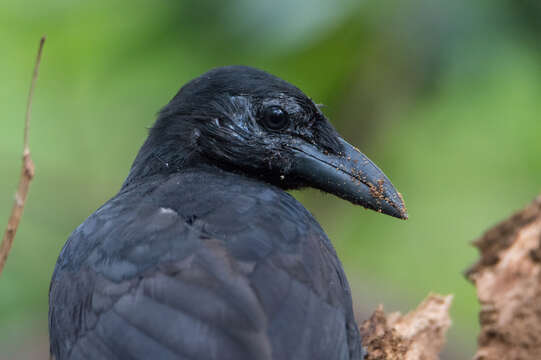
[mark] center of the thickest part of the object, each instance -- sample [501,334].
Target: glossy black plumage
[202,254]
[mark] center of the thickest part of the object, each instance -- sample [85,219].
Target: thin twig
[27,173]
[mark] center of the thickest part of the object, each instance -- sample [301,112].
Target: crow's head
[250,122]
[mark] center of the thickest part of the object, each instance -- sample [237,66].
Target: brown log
[418,335]
[508,281]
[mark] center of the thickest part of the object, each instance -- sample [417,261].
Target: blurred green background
[444,96]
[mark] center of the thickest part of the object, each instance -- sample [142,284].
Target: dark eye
[275,118]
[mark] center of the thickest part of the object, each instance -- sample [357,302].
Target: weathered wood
[418,335]
[508,281]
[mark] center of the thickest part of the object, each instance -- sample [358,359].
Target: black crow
[203,254]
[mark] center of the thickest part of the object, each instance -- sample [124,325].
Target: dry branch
[418,335]
[508,281]
[27,173]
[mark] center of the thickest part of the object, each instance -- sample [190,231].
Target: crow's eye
[275,118]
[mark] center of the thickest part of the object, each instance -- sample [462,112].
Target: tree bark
[418,335]
[508,281]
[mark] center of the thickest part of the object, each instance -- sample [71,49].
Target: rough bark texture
[508,281]
[418,335]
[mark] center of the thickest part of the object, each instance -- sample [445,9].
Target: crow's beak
[349,175]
